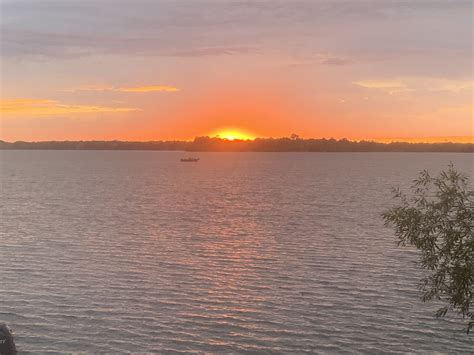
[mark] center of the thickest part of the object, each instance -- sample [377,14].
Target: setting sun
[232,134]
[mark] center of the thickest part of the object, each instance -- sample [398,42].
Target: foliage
[438,220]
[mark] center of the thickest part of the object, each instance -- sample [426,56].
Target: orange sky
[166,71]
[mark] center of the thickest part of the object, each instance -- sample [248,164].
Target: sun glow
[233,134]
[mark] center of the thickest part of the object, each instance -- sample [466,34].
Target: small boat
[7,344]
[189,160]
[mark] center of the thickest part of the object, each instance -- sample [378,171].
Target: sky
[176,69]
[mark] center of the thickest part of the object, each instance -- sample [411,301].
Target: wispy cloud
[151,88]
[321,59]
[408,84]
[137,89]
[453,85]
[379,84]
[42,107]
[336,61]
[211,51]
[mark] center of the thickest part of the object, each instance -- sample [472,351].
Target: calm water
[268,252]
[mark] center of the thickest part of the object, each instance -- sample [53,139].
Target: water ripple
[240,253]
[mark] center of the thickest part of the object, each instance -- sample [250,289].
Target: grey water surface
[126,251]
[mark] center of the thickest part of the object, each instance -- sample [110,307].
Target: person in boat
[7,344]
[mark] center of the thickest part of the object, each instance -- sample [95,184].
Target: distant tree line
[208,144]
[97,145]
[295,144]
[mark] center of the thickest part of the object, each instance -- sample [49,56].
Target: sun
[233,134]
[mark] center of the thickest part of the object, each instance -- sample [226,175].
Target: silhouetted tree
[438,220]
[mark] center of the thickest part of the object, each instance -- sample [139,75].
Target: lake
[121,251]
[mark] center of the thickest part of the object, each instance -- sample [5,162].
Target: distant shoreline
[207,144]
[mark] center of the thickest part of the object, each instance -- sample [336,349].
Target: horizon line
[408,140]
